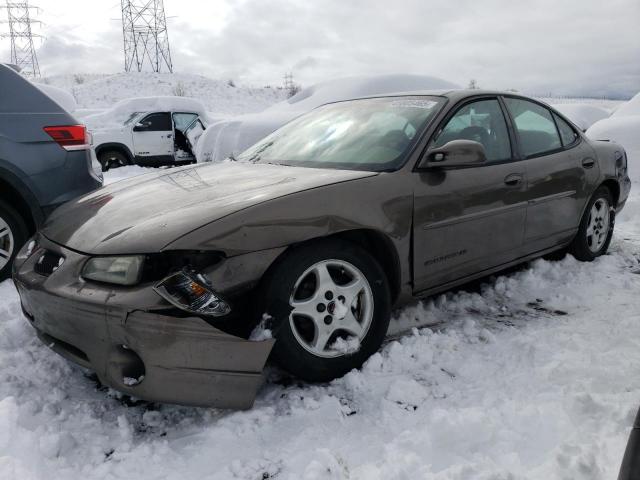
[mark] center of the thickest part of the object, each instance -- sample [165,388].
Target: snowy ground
[532,375]
[95,93]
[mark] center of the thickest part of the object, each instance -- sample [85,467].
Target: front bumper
[175,360]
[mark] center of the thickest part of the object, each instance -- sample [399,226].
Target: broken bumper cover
[149,355]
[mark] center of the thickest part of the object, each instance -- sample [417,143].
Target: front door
[560,168]
[153,137]
[467,220]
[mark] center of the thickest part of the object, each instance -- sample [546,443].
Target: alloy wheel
[598,225]
[6,243]
[331,300]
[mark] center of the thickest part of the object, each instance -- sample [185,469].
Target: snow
[582,114]
[623,127]
[630,108]
[94,93]
[503,385]
[235,134]
[529,374]
[60,96]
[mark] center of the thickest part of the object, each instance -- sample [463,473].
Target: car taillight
[70,137]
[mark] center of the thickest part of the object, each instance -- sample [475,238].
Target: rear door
[560,169]
[153,136]
[467,220]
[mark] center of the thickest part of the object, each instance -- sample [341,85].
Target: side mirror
[141,126]
[456,153]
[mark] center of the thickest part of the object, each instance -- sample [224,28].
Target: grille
[48,263]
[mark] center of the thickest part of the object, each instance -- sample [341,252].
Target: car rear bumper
[146,354]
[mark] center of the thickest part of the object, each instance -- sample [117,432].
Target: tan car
[167,285]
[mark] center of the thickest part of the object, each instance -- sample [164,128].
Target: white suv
[150,139]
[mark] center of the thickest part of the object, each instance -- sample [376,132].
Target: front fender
[382,204]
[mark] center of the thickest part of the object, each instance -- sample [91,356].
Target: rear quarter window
[567,134]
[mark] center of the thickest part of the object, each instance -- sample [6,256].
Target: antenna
[23,52]
[146,41]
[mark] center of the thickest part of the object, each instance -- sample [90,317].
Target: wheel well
[382,249]
[114,147]
[614,188]
[13,198]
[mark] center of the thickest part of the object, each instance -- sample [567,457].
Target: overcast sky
[580,47]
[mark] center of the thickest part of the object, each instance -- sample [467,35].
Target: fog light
[192,292]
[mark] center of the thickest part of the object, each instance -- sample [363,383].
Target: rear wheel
[112,159]
[329,306]
[596,227]
[13,234]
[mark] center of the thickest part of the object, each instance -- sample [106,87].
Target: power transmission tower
[23,52]
[288,81]
[146,41]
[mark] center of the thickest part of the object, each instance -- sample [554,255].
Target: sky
[563,47]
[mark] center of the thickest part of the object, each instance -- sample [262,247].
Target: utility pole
[146,41]
[23,52]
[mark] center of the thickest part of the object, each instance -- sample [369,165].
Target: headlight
[192,292]
[118,270]
[26,251]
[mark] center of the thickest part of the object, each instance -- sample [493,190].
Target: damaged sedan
[178,286]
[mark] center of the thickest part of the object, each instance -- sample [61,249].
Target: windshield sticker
[414,103]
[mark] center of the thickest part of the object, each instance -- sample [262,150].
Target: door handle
[169,135]
[588,162]
[513,180]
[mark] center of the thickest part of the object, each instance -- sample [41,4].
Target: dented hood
[144,214]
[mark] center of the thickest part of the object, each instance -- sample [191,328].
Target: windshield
[371,134]
[131,117]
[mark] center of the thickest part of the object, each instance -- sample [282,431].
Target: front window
[481,121]
[371,134]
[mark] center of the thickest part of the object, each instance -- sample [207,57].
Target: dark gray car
[177,286]
[45,160]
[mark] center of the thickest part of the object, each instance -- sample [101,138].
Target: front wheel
[596,227]
[13,234]
[329,305]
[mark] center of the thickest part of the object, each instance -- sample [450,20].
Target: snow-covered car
[150,139]
[302,247]
[232,136]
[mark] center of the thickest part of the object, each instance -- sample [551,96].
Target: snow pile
[582,114]
[102,91]
[115,116]
[623,127]
[59,95]
[630,108]
[236,134]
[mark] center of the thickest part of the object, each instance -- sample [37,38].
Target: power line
[146,40]
[23,52]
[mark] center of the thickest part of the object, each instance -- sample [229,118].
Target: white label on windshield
[414,103]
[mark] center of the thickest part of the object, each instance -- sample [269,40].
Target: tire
[596,227]
[112,159]
[291,296]
[13,235]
